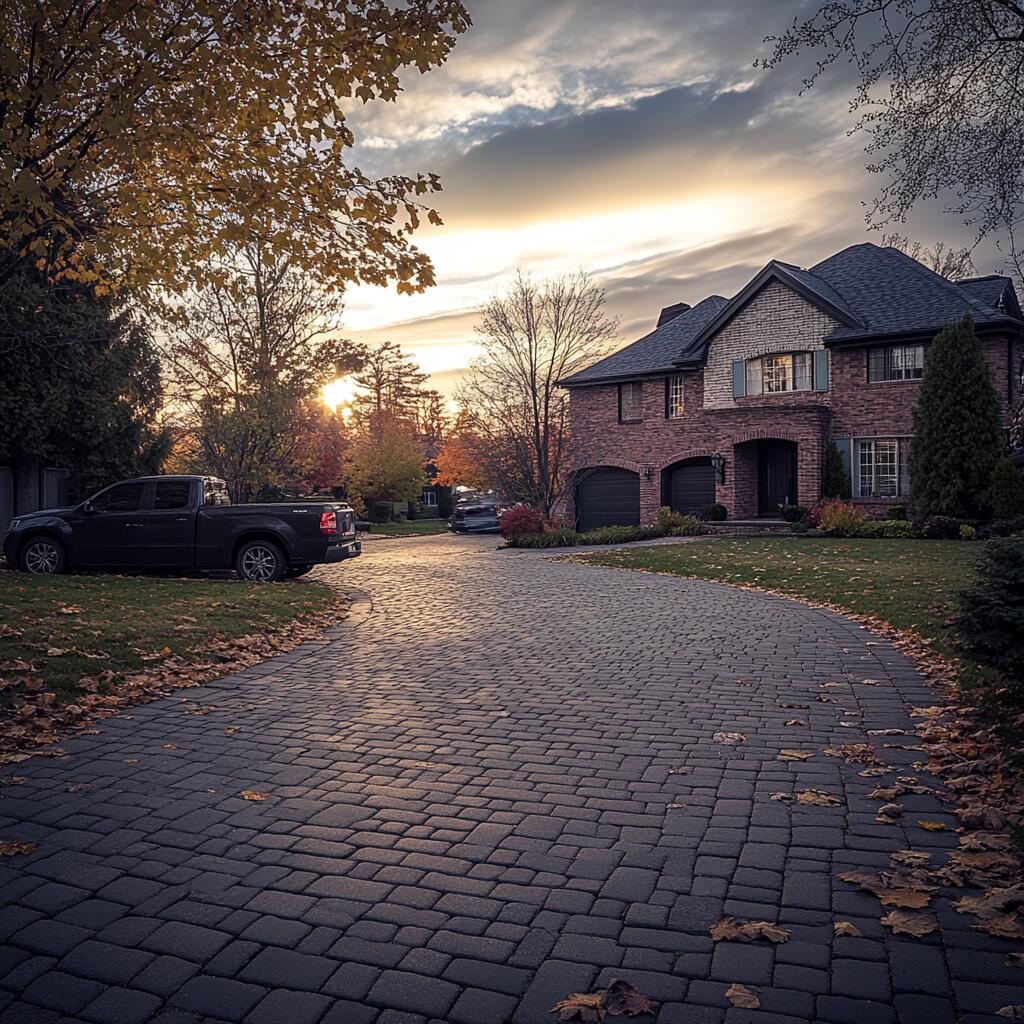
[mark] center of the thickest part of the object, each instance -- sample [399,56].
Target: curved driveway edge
[496,784]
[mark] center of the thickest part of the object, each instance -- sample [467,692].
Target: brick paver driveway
[497,785]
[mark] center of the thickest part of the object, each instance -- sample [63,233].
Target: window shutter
[821,370]
[739,381]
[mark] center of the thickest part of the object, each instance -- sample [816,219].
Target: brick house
[735,400]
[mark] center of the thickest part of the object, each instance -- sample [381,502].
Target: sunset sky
[634,140]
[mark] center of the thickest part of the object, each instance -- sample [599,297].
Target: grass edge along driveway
[67,627]
[911,584]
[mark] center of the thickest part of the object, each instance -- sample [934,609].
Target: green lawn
[411,528]
[53,624]
[909,583]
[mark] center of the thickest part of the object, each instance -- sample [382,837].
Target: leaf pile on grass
[77,649]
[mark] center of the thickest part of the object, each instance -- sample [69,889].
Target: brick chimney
[671,312]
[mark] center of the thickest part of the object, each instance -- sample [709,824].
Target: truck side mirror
[88,507]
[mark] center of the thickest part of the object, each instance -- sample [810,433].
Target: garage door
[608,497]
[690,486]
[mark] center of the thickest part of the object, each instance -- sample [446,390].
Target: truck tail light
[328,522]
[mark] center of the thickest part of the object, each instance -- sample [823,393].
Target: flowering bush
[840,519]
[519,520]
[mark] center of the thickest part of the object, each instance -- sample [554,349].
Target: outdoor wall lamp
[718,465]
[648,472]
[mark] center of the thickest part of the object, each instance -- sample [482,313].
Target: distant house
[735,400]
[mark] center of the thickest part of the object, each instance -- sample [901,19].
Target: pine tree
[957,428]
[836,479]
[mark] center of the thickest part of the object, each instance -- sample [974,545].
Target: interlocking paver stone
[495,785]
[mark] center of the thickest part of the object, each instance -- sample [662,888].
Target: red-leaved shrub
[519,519]
[839,518]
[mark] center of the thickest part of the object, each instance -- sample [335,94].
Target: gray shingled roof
[876,292]
[892,293]
[656,351]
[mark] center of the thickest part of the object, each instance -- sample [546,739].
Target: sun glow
[339,394]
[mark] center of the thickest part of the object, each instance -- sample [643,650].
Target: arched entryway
[688,486]
[607,496]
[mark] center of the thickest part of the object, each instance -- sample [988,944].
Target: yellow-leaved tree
[141,141]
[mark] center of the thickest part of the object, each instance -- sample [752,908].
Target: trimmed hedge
[685,526]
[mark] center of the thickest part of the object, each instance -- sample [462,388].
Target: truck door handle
[133,524]
[181,519]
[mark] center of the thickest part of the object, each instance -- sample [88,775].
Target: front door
[776,476]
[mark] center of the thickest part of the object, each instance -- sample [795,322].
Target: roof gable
[818,292]
[657,352]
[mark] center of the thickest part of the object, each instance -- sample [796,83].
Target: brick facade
[776,320]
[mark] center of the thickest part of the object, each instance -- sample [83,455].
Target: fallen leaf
[1014,960]
[581,1006]
[796,721]
[889,813]
[884,793]
[621,998]
[729,738]
[910,858]
[14,847]
[795,755]
[872,773]
[69,609]
[13,780]
[55,652]
[131,760]
[170,746]
[740,995]
[871,682]
[886,732]
[891,889]
[730,929]
[846,928]
[231,730]
[903,922]
[931,826]
[1015,1012]
[818,798]
[251,794]
[855,753]
[781,796]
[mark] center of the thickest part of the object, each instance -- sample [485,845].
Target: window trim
[902,467]
[760,378]
[888,348]
[670,384]
[631,384]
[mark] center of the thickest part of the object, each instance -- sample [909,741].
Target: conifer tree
[957,428]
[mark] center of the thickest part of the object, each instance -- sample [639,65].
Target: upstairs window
[781,371]
[895,362]
[674,406]
[631,402]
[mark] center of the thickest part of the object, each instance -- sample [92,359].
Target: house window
[428,496]
[631,402]
[784,371]
[674,398]
[895,362]
[882,468]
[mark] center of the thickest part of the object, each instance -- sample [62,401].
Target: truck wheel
[297,570]
[260,561]
[43,556]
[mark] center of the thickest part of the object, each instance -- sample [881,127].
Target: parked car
[476,517]
[184,523]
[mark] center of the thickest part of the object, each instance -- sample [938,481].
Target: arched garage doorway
[607,496]
[688,486]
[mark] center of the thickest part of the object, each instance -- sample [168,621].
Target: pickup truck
[184,523]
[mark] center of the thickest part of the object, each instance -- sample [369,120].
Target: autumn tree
[533,336]
[460,460]
[140,143]
[385,462]
[245,361]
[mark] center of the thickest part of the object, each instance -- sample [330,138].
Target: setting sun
[340,392]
